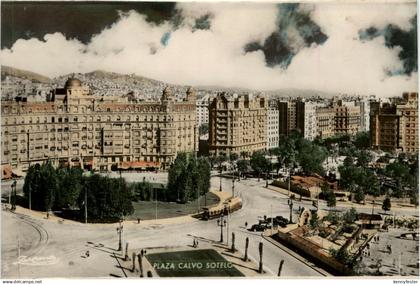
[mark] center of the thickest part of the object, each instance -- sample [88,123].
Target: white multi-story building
[365,112]
[202,107]
[307,118]
[310,129]
[273,126]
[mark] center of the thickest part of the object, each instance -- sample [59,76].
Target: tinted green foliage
[295,151]
[386,205]
[259,163]
[188,178]
[42,183]
[67,188]
[328,194]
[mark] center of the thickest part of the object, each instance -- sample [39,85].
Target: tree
[286,152]
[204,174]
[414,199]
[203,129]
[359,196]
[70,184]
[311,157]
[233,157]
[259,163]
[364,158]
[177,178]
[362,140]
[107,198]
[142,190]
[350,216]
[314,221]
[341,255]
[243,166]
[188,178]
[41,182]
[386,205]
[328,194]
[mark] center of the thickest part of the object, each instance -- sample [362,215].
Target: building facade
[237,124]
[272,126]
[347,119]
[394,126]
[306,119]
[74,127]
[409,123]
[203,110]
[287,117]
[325,122]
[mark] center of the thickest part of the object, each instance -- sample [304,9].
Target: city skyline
[351,48]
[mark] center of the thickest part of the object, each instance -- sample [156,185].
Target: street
[34,247]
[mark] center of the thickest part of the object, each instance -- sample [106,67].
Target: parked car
[257,228]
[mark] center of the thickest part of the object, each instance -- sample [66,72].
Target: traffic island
[192,263]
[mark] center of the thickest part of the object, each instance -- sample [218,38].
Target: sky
[341,48]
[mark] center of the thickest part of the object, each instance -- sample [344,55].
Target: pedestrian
[138,220]
[246,224]
[48,215]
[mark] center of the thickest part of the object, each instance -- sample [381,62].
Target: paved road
[51,249]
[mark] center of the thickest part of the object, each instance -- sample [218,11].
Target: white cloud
[216,56]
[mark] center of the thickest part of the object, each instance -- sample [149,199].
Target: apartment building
[237,123]
[77,128]
[272,126]
[325,122]
[394,125]
[287,117]
[409,128]
[203,110]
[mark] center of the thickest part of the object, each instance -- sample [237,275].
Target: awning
[6,171]
[137,165]
[17,173]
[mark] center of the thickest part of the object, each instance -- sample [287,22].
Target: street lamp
[14,195]
[119,232]
[290,202]
[233,187]
[220,175]
[221,223]
[30,195]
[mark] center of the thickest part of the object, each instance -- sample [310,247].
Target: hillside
[23,74]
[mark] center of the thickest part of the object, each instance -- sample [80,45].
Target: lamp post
[221,223]
[156,210]
[290,202]
[14,195]
[119,232]
[220,175]
[226,209]
[373,206]
[86,205]
[30,196]
[233,187]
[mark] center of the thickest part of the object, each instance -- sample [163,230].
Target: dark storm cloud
[396,37]
[280,47]
[80,20]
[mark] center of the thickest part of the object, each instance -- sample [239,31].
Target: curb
[296,256]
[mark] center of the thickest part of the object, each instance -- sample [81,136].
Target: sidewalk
[348,204]
[223,196]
